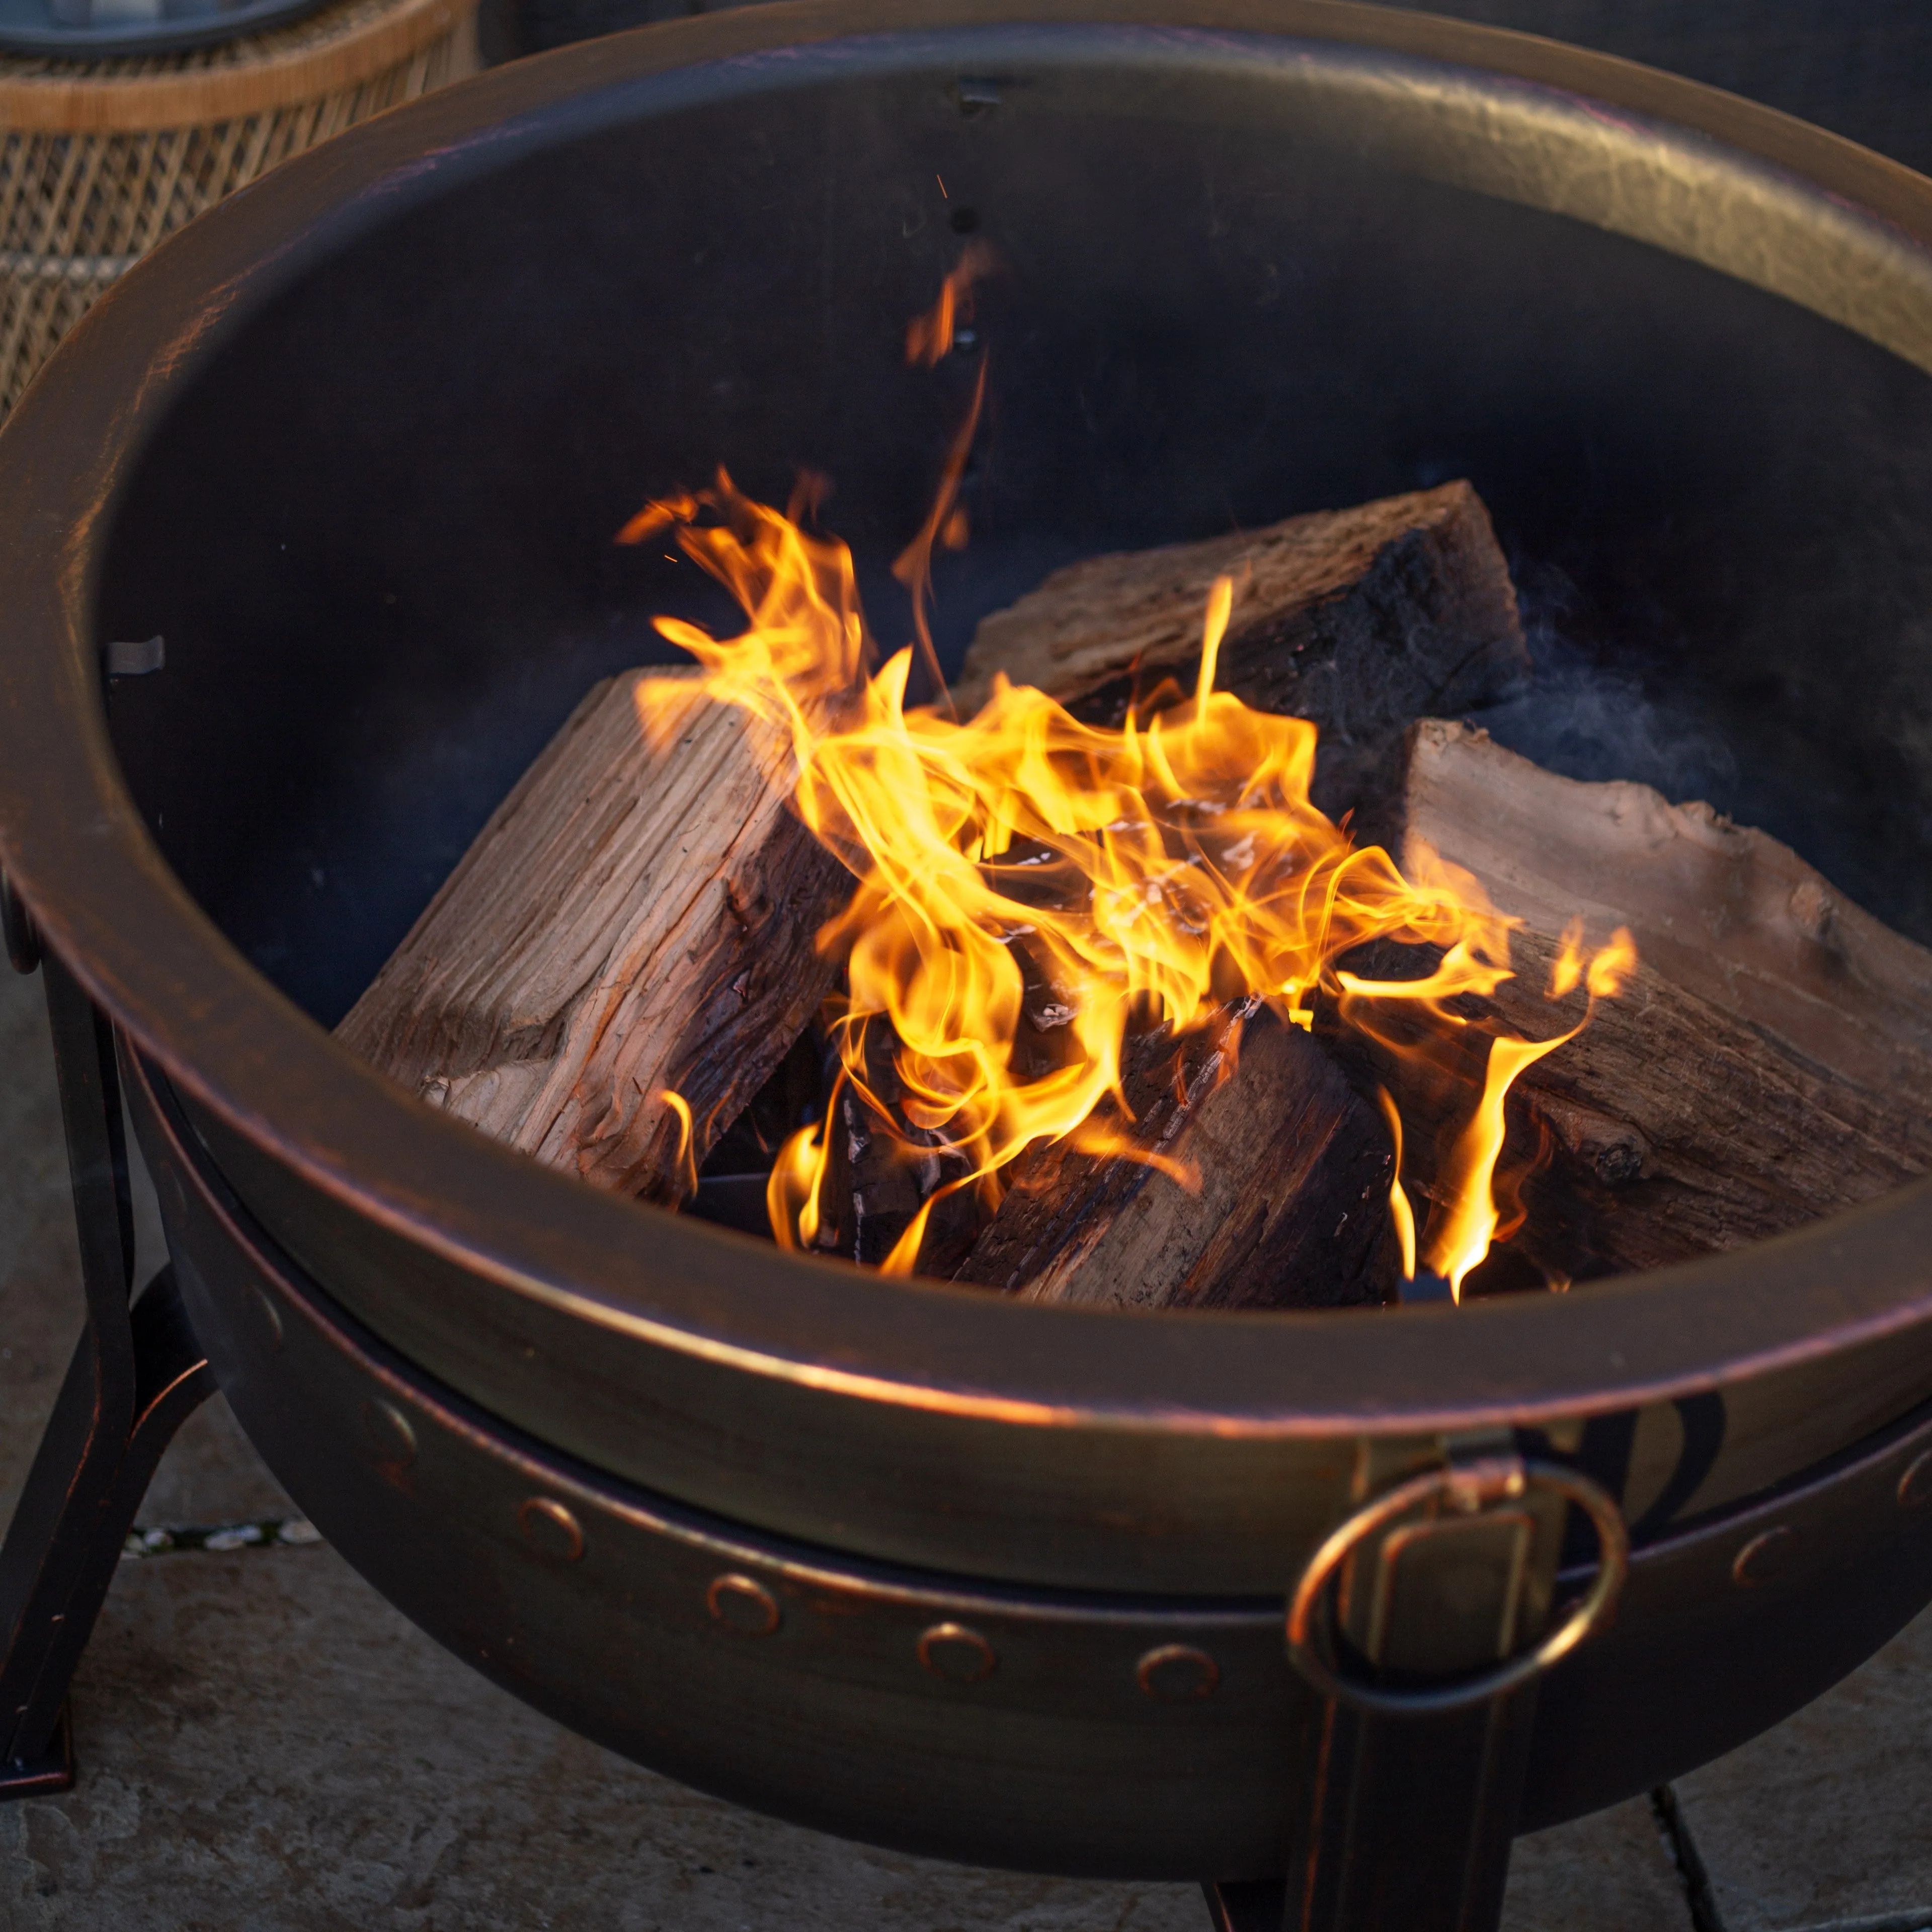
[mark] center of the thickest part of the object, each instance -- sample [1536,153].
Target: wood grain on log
[638,915]
[1770,1060]
[1291,1169]
[1361,620]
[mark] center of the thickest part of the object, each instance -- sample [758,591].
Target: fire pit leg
[136,1374]
[1409,1830]
[1427,1659]
[1427,1809]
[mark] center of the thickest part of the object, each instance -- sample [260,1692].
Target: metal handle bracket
[1464,1488]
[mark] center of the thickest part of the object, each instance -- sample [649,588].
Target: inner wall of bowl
[377,531]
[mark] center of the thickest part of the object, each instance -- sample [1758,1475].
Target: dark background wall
[1861,67]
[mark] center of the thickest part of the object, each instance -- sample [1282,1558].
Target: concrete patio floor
[265,1746]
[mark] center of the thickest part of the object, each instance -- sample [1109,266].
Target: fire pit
[1000,1582]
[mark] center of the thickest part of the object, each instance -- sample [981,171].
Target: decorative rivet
[743,1604]
[1765,1557]
[959,1655]
[387,1430]
[550,1530]
[1177,1673]
[271,1319]
[1914,1486]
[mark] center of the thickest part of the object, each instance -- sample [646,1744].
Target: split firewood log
[1362,620]
[636,920]
[1271,1190]
[1769,1062]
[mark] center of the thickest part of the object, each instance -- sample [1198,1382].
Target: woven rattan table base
[101,161]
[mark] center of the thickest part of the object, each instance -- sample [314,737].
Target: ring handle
[1468,1488]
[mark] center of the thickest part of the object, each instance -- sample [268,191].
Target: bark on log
[638,915]
[1361,620]
[1293,1170]
[1769,1061]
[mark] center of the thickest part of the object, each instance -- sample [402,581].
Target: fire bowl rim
[107,900]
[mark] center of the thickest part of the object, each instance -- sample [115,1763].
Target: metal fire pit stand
[1430,1591]
[136,1375]
[1444,1580]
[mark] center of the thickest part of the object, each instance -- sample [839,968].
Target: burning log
[635,923]
[1362,620]
[1768,1060]
[1252,1176]
[628,950]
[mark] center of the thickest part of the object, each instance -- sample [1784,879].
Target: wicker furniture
[99,161]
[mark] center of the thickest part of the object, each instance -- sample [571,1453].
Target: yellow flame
[687,1164]
[792,1191]
[1566,974]
[1464,1223]
[1030,888]
[1027,883]
[1613,966]
[1465,1217]
[1399,1210]
[1220,602]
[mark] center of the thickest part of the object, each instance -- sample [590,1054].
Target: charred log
[1361,620]
[1282,1204]
[883,1171]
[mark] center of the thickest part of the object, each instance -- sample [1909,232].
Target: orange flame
[1030,888]
[1028,883]
[945,522]
[687,1163]
[1461,1232]
[929,337]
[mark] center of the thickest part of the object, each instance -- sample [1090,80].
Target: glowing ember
[1165,868]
